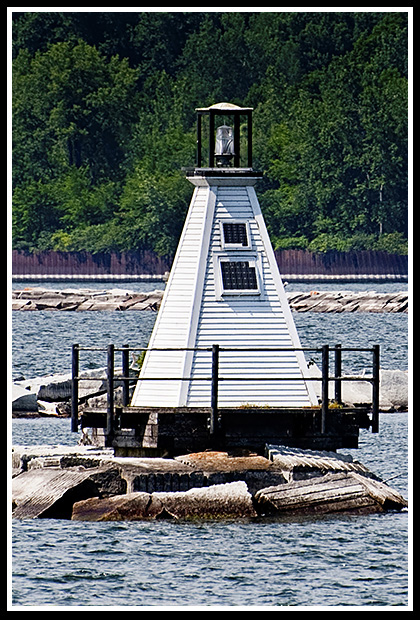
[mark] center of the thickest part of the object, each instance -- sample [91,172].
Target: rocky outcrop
[24,399]
[87,484]
[51,395]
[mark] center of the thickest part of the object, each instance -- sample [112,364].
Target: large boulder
[393,389]
[24,399]
[222,501]
[334,492]
[129,507]
[46,491]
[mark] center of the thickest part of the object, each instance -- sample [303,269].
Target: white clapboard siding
[174,327]
[195,314]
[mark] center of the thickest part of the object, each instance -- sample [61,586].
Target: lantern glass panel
[224,140]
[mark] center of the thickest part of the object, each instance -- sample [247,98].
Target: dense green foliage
[104,120]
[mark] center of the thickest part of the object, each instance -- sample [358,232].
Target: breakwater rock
[51,395]
[348,301]
[89,484]
[220,501]
[393,389]
[79,300]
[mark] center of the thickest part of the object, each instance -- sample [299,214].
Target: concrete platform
[172,431]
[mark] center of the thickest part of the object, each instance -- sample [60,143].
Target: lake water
[330,561]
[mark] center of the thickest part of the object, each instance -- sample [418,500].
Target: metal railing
[215,378]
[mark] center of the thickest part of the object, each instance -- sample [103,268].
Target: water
[330,561]
[333,561]
[42,340]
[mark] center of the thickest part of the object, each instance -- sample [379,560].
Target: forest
[104,121]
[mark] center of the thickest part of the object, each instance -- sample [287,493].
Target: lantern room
[229,143]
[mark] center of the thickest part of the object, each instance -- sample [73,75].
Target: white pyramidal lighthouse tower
[225,289]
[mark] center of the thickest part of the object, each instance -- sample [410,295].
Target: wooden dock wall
[145,262]
[86,263]
[332,263]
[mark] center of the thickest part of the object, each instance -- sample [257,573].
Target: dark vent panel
[238,276]
[235,233]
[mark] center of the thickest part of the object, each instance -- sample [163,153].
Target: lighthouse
[224,289]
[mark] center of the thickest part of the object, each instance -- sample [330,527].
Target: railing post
[125,373]
[375,389]
[211,139]
[236,141]
[337,373]
[325,375]
[214,388]
[75,388]
[198,140]
[110,391]
[249,140]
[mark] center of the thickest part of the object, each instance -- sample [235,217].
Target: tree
[74,107]
[152,213]
[73,115]
[342,151]
[104,120]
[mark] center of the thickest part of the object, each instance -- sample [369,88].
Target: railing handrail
[215,378]
[221,348]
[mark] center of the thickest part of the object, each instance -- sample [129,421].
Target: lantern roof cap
[224,107]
